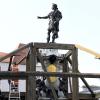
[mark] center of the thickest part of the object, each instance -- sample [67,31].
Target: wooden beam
[27,79]
[68,54]
[88,87]
[75,83]
[82,96]
[97,55]
[65,69]
[32,79]
[24,75]
[54,46]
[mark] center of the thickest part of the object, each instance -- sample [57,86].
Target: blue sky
[80,24]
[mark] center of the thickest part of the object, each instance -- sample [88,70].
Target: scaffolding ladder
[14,93]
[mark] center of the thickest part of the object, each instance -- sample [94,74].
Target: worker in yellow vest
[52,68]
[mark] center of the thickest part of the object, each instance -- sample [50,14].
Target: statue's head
[54,6]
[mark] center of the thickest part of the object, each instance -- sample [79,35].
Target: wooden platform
[82,96]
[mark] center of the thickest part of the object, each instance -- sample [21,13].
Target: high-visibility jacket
[52,68]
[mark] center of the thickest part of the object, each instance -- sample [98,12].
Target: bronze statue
[54,17]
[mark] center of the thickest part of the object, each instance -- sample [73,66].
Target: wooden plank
[75,84]
[60,74]
[28,63]
[97,55]
[88,87]
[31,91]
[54,46]
[23,75]
[27,79]
[82,96]
[65,69]
[68,54]
[32,79]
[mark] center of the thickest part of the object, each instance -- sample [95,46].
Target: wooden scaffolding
[71,57]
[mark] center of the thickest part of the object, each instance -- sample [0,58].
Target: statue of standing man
[54,17]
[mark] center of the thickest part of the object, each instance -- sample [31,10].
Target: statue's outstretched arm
[45,17]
